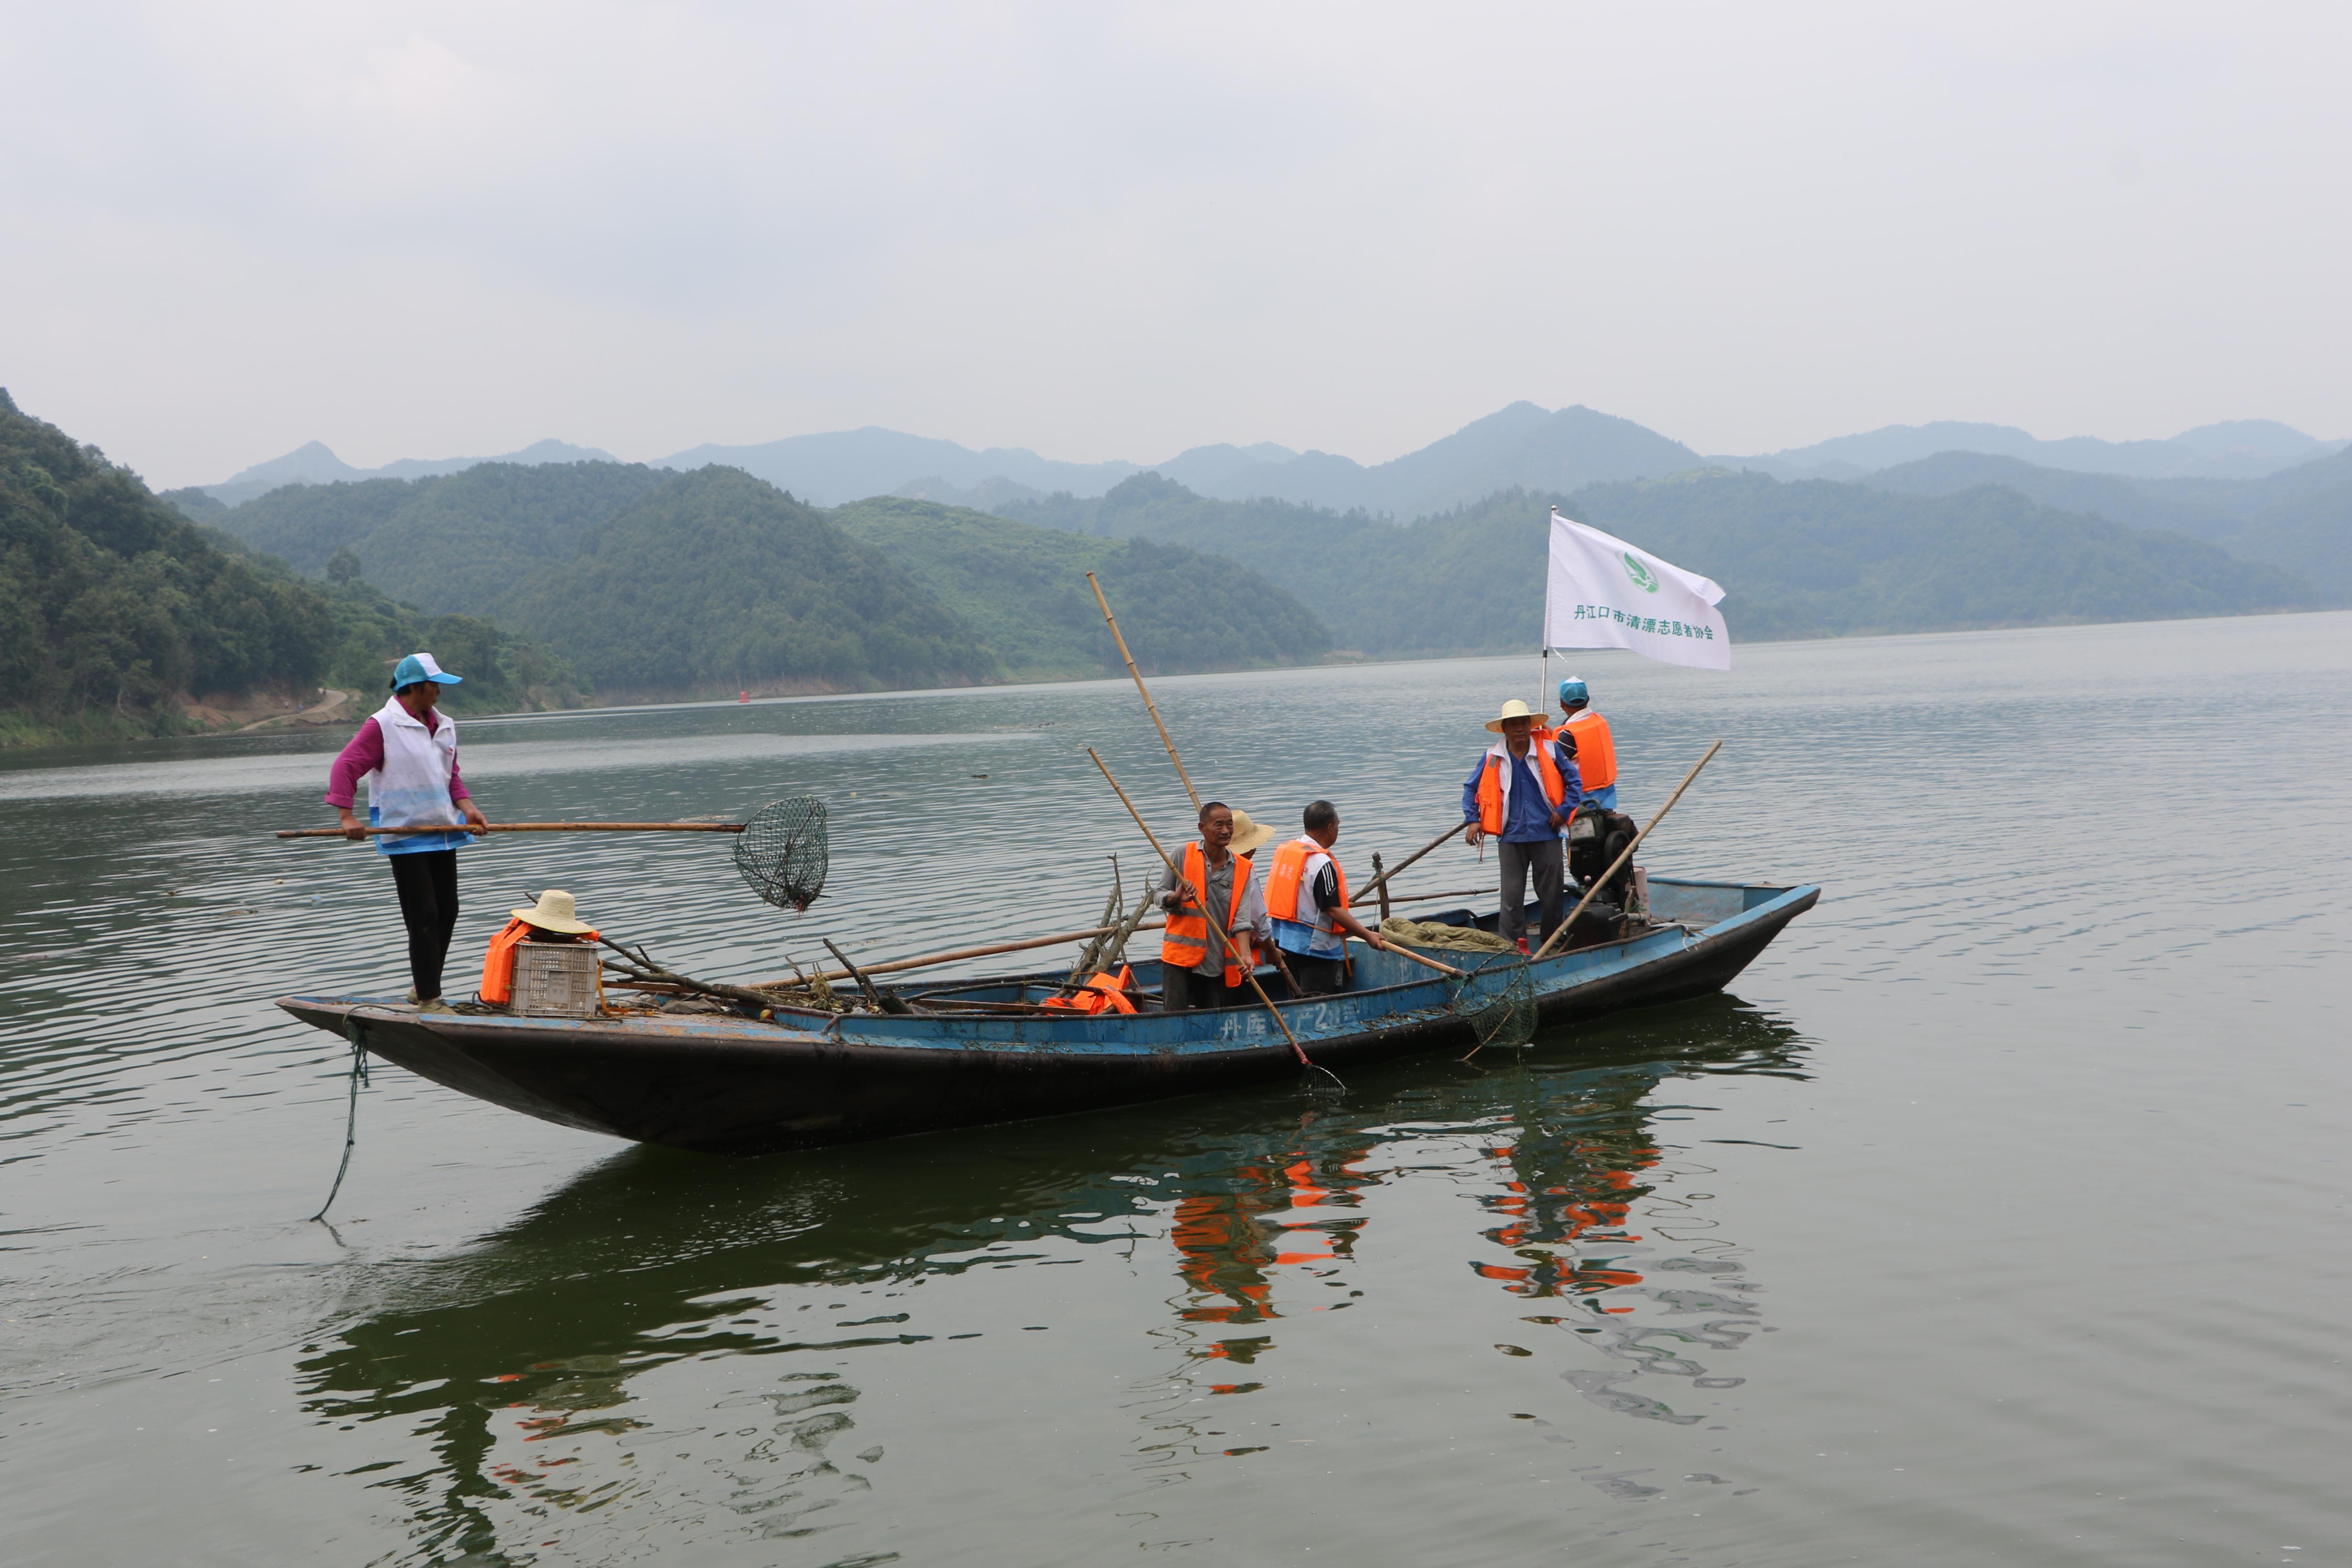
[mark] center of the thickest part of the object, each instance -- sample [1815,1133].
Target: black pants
[1518,863]
[1180,990]
[1317,976]
[428,881]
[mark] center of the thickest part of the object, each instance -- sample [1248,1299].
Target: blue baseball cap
[1572,690]
[418,667]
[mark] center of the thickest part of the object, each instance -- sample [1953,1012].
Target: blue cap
[419,667]
[1572,690]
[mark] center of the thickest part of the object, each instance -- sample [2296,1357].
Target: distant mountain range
[1523,447]
[1523,444]
[313,464]
[2236,449]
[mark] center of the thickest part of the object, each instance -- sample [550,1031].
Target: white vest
[413,785]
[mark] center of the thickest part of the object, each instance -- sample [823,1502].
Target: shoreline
[317,717]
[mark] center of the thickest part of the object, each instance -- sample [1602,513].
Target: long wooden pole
[1150,707]
[526,828]
[930,959]
[1561,933]
[1224,939]
[1381,881]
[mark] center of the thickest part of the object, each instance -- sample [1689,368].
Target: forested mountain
[715,579]
[650,583]
[1022,590]
[503,671]
[1808,559]
[114,608]
[2299,518]
[653,583]
[2109,495]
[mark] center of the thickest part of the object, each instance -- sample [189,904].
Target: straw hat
[1514,708]
[555,911]
[1249,835]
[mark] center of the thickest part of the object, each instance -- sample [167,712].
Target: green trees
[656,583]
[714,579]
[1023,590]
[113,603]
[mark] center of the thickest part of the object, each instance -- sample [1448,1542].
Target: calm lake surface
[1996,1216]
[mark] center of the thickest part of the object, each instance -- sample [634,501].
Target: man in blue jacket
[1520,795]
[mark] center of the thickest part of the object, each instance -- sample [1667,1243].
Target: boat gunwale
[1078,1036]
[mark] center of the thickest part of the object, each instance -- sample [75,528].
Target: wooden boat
[733,1085]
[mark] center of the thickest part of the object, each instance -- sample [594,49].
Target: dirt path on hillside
[318,712]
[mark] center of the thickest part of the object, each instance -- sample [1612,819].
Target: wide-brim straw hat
[1514,708]
[1249,834]
[555,911]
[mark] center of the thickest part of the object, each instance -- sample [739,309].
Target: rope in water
[350,1114]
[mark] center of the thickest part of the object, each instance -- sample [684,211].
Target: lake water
[1996,1216]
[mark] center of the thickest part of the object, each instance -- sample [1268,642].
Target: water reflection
[596,1355]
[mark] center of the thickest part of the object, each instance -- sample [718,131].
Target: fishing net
[783,852]
[1496,998]
[1497,995]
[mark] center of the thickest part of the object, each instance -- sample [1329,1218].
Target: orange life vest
[1185,942]
[1104,993]
[1289,872]
[1490,786]
[1596,754]
[497,967]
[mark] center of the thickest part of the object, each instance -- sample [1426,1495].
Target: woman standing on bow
[407,757]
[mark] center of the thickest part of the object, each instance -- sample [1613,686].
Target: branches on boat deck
[638,970]
[1088,959]
[1108,948]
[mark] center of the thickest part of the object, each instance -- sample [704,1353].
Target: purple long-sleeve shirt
[364,755]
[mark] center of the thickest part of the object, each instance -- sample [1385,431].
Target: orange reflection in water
[1566,1198]
[1227,1243]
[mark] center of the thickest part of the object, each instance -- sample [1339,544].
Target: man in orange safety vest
[1520,795]
[1196,970]
[1306,895]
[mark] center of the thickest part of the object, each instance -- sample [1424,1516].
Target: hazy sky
[1105,231]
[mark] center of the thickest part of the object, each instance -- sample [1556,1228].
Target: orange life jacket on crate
[1186,940]
[497,967]
[1490,787]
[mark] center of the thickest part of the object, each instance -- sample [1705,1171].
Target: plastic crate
[556,980]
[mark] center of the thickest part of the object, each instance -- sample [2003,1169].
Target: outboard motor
[1595,838]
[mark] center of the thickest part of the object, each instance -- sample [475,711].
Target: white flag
[1601,593]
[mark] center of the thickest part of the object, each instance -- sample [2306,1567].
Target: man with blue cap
[1586,737]
[407,757]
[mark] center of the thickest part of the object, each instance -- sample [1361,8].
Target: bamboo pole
[524,828]
[1225,937]
[1150,707]
[1561,933]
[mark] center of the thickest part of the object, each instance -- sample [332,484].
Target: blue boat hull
[738,1086]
